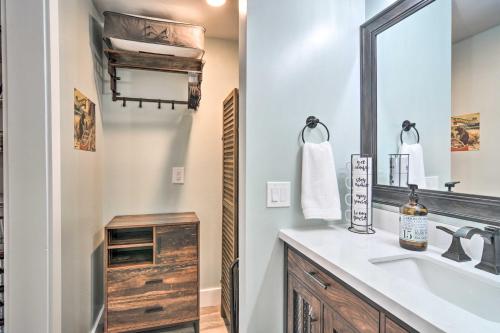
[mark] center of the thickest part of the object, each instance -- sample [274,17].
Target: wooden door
[304,309]
[334,323]
[229,197]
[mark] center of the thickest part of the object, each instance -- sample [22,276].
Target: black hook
[173,105]
[140,103]
[312,122]
[124,103]
[159,104]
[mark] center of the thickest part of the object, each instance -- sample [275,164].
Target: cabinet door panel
[360,315]
[304,310]
[392,327]
[334,323]
[176,244]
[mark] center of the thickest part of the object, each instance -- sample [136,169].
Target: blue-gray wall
[301,60]
[414,83]
[373,7]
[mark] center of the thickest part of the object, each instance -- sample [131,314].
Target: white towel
[320,191]
[416,172]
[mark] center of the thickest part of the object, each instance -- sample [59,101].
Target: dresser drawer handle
[154,309]
[157,281]
[313,276]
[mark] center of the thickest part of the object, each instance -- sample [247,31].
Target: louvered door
[229,198]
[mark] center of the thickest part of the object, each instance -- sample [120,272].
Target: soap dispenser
[413,223]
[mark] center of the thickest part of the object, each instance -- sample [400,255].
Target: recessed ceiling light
[216,3]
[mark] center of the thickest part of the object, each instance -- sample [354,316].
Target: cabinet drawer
[359,314]
[135,284]
[151,312]
[176,244]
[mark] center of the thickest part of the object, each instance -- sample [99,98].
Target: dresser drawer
[151,312]
[134,284]
[360,315]
[177,244]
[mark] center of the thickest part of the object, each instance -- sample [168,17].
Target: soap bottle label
[413,228]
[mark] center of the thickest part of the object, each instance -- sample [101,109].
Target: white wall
[414,83]
[476,82]
[32,233]
[81,173]
[142,146]
[301,60]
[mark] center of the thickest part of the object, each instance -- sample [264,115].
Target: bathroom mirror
[431,104]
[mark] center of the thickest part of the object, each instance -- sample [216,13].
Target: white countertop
[346,255]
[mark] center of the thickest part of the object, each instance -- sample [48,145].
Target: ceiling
[220,22]
[471,17]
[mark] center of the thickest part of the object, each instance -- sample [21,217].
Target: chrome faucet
[490,260]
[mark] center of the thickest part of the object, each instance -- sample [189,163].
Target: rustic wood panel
[131,221]
[392,327]
[229,197]
[152,312]
[334,323]
[135,284]
[361,316]
[154,62]
[304,309]
[176,244]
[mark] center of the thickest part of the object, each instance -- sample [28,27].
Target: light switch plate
[278,194]
[178,175]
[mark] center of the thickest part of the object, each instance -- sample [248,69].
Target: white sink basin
[469,291]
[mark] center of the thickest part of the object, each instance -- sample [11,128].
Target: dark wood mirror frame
[471,207]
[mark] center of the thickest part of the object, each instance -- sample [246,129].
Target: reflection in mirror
[438,98]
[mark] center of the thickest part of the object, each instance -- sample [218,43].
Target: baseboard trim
[97,321]
[209,297]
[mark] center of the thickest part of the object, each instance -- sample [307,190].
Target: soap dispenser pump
[413,223]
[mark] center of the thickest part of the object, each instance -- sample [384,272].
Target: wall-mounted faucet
[490,260]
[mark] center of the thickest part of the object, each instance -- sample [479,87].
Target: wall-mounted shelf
[153,62]
[156,62]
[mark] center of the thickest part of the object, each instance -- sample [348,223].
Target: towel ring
[312,122]
[407,126]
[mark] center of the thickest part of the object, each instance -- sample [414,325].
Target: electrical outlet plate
[278,194]
[178,175]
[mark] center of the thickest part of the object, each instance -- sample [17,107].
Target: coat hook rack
[148,100]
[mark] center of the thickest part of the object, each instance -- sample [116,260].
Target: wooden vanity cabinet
[151,272]
[318,302]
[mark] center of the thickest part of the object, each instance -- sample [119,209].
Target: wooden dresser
[152,272]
